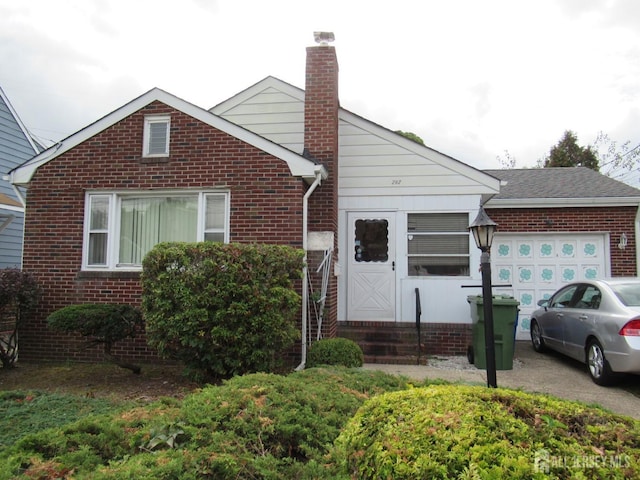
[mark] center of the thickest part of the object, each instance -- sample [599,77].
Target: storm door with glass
[371,289]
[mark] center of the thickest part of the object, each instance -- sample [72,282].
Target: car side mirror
[543,302]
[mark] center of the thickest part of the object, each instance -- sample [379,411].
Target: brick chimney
[321,145]
[321,129]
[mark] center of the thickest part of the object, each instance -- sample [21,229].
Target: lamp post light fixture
[483,229]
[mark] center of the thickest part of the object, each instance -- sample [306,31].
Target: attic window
[156,136]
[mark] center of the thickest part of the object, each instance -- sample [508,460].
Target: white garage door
[536,265]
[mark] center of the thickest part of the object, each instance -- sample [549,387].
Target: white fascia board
[298,165]
[564,202]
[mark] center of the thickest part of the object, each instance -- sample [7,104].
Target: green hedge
[222,309]
[443,432]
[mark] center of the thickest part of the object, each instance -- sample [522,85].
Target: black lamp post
[483,229]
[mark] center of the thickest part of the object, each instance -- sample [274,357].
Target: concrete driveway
[548,373]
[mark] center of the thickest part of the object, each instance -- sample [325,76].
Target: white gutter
[305,234]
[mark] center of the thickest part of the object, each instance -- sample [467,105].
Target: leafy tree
[19,295]
[567,153]
[410,136]
[102,323]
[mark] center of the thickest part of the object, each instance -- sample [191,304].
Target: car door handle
[583,317]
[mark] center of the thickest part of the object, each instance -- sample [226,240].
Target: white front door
[371,291]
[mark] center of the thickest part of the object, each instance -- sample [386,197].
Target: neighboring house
[380,215]
[16,146]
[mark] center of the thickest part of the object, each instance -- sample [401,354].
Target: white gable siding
[272,114]
[377,162]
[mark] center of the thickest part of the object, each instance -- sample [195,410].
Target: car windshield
[628,293]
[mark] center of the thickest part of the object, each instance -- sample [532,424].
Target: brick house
[379,215]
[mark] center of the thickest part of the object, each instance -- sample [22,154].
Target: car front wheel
[598,366]
[536,337]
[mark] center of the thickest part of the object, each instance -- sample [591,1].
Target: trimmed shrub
[335,351]
[101,323]
[222,309]
[442,432]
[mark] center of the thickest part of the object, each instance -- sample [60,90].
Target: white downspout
[305,269]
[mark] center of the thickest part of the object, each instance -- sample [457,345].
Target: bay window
[121,228]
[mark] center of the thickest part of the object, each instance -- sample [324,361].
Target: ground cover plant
[27,412]
[331,423]
[252,426]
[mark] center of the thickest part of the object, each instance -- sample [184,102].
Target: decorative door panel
[371,287]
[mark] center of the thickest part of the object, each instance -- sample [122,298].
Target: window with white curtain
[438,244]
[121,228]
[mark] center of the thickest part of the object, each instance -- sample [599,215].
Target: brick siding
[266,207]
[614,220]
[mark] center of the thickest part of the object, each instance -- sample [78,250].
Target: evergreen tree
[567,153]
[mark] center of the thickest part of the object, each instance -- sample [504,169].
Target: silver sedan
[595,322]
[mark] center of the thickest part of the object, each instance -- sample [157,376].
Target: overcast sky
[472,78]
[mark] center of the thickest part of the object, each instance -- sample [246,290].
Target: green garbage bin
[505,319]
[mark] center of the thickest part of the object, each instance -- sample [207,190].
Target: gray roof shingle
[559,182]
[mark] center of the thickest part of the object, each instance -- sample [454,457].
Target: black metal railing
[418,315]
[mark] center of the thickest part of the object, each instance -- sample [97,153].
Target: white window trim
[114,223]
[151,119]
[468,256]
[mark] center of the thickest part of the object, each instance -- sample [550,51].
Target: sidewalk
[533,372]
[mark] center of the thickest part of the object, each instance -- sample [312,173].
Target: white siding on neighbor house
[272,114]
